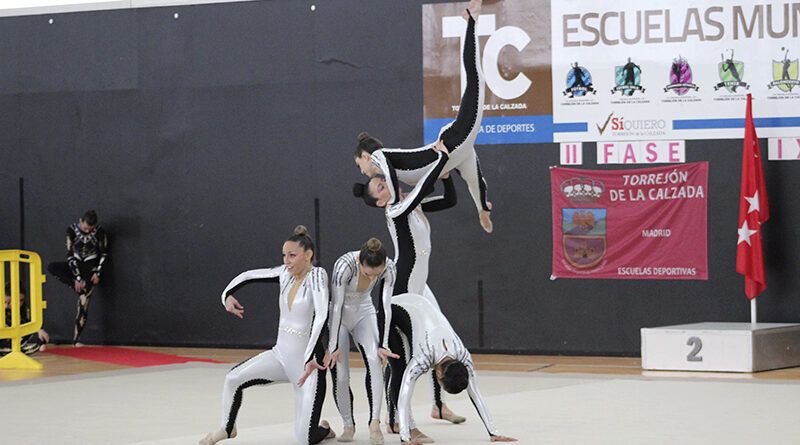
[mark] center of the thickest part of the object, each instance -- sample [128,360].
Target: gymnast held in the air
[409,165]
[303,303]
[354,276]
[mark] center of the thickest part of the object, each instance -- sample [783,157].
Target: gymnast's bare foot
[503,439]
[446,414]
[420,437]
[375,435]
[474,9]
[216,436]
[347,434]
[486,218]
[331,433]
[392,429]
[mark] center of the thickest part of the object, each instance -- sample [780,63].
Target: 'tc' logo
[498,39]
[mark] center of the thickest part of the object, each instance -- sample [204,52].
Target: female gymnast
[409,165]
[352,313]
[411,234]
[430,343]
[407,224]
[303,303]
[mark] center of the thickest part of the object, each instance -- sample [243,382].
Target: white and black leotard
[411,165]
[411,231]
[352,313]
[297,344]
[411,235]
[429,339]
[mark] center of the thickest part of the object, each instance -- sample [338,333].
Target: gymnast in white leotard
[430,343]
[407,224]
[411,234]
[354,276]
[297,353]
[411,165]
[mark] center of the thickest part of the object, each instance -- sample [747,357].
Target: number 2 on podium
[697,346]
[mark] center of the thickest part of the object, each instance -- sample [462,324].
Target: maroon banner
[648,223]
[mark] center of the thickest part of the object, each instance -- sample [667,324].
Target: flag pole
[753,211]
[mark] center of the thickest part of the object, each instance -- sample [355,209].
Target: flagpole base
[724,347]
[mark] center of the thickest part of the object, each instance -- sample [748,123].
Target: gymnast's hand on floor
[310,368]
[503,439]
[330,359]
[79,286]
[233,306]
[95,279]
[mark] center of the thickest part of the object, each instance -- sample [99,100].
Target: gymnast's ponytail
[301,237]
[372,253]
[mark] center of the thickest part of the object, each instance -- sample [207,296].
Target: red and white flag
[753,211]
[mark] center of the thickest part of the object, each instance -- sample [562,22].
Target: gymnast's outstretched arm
[270,274]
[437,203]
[480,406]
[414,198]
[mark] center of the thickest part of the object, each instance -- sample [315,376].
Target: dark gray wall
[202,141]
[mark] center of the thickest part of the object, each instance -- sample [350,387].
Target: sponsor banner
[674,69]
[502,129]
[784,149]
[631,224]
[514,37]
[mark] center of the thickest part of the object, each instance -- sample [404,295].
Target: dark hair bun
[363,136]
[301,230]
[358,190]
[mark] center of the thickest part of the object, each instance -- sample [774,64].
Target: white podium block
[730,347]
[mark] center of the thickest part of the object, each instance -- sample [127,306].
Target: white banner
[784,149]
[641,152]
[674,69]
[571,153]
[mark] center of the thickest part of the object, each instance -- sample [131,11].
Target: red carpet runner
[124,356]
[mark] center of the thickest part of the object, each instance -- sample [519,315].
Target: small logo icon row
[628,77]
